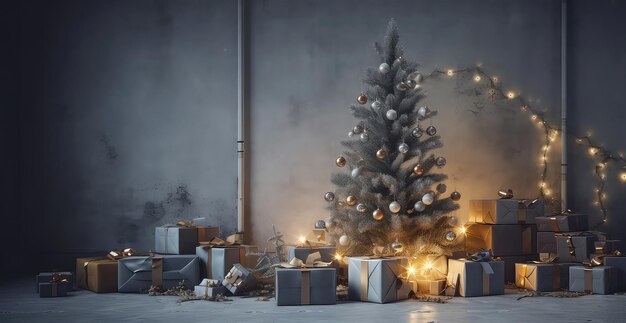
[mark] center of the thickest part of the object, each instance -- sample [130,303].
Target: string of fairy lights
[550,133]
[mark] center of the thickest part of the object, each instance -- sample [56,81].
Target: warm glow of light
[533,117]
[547,192]
[510,95]
[494,79]
[302,239]
[428,265]
[542,184]
[593,151]
[477,78]
[579,141]
[523,107]
[463,230]
[450,72]
[622,176]
[411,270]
[338,257]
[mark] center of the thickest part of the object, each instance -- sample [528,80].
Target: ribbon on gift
[313,260]
[381,252]
[522,206]
[219,243]
[525,274]
[527,239]
[234,277]
[483,257]
[365,279]
[606,246]
[598,260]
[570,242]
[505,195]
[557,217]
[55,280]
[157,271]
[117,254]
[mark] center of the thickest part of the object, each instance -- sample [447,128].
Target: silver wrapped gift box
[542,277]
[306,286]
[475,278]
[575,246]
[327,252]
[210,288]
[175,240]
[138,274]
[378,280]
[505,211]
[597,280]
[239,280]
[563,223]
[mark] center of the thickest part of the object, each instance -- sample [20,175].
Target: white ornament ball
[392,114]
[376,105]
[419,206]
[428,199]
[384,68]
[350,134]
[356,172]
[423,111]
[403,148]
[394,207]
[344,240]
[364,137]
[453,220]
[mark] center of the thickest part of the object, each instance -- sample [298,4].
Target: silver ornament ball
[403,148]
[351,134]
[423,111]
[357,129]
[364,137]
[361,208]
[440,162]
[394,207]
[417,132]
[320,224]
[356,172]
[431,130]
[450,236]
[384,68]
[419,206]
[344,240]
[376,105]
[329,196]
[428,199]
[391,114]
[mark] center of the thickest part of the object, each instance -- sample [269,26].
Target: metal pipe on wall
[564,105]
[242,103]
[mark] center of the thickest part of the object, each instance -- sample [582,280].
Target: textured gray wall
[307,60]
[128,120]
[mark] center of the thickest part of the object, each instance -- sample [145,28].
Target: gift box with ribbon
[97,274]
[546,242]
[138,274]
[543,276]
[53,289]
[607,246]
[430,286]
[302,252]
[502,239]
[210,288]
[63,277]
[378,280]
[619,263]
[596,280]
[239,280]
[565,222]
[575,246]
[478,276]
[505,211]
[218,256]
[182,238]
[306,286]
[509,265]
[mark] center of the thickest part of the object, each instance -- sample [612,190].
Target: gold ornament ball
[362,99]
[340,161]
[351,200]
[418,169]
[378,214]
[397,246]
[381,154]
[455,196]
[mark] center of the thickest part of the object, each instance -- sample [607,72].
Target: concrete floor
[20,303]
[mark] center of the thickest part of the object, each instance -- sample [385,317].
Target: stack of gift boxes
[185,254]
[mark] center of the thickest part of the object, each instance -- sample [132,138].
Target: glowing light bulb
[593,151]
[542,184]
[338,257]
[450,72]
[510,95]
[579,141]
[411,270]
[533,117]
[547,192]
[494,79]
[302,239]
[622,176]
[476,78]
[463,230]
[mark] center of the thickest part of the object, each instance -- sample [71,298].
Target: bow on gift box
[55,280]
[508,194]
[313,260]
[598,260]
[481,255]
[234,277]
[117,254]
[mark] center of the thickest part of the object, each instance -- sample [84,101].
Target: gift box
[430,286]
[546,242]
[327,252]
[378,280]
[597,280]
[619,263]
[175,240]
[509,265]
[575,247]
[475,278]
[306,286]
[138,274]
[217,261]
[210,288]
[64,275]
[502,239]
[607,246]
[562,223]
[542,277]
[97,274]
[239,280]
[505,211]
[206,234]
[53,289]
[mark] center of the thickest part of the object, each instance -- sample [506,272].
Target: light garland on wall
[599,154]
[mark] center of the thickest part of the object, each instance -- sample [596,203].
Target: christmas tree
[389,195]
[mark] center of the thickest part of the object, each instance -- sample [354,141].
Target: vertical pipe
[241,116]
[564,105]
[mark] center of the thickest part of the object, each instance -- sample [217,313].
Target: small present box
[430,286]
[597,280]
[546,242]
[306,286]
[97,274]
[575,247]
[53,289]
[509,265]
[542,277]
[175,240]
[562,223]
[239,280]
[63,275]
[216,261]
[606,247]
[475,278]
[377,280]
[619,263]
[210,288]
[327,252]
[502,239]
[138,274]
[505,211]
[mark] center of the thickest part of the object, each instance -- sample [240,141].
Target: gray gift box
[607,246]
[562,223]
[379,280]
[472,278]
[502,239]
[575,247]
[598,280]
[509,265]
[217,261]
[239,279]
[306,286]
[53,289]
[327,252]
[546,242]
[620,266]
[210,288]
[47,276]
[505,211]
[135,274]
[542,277]
[175,240]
